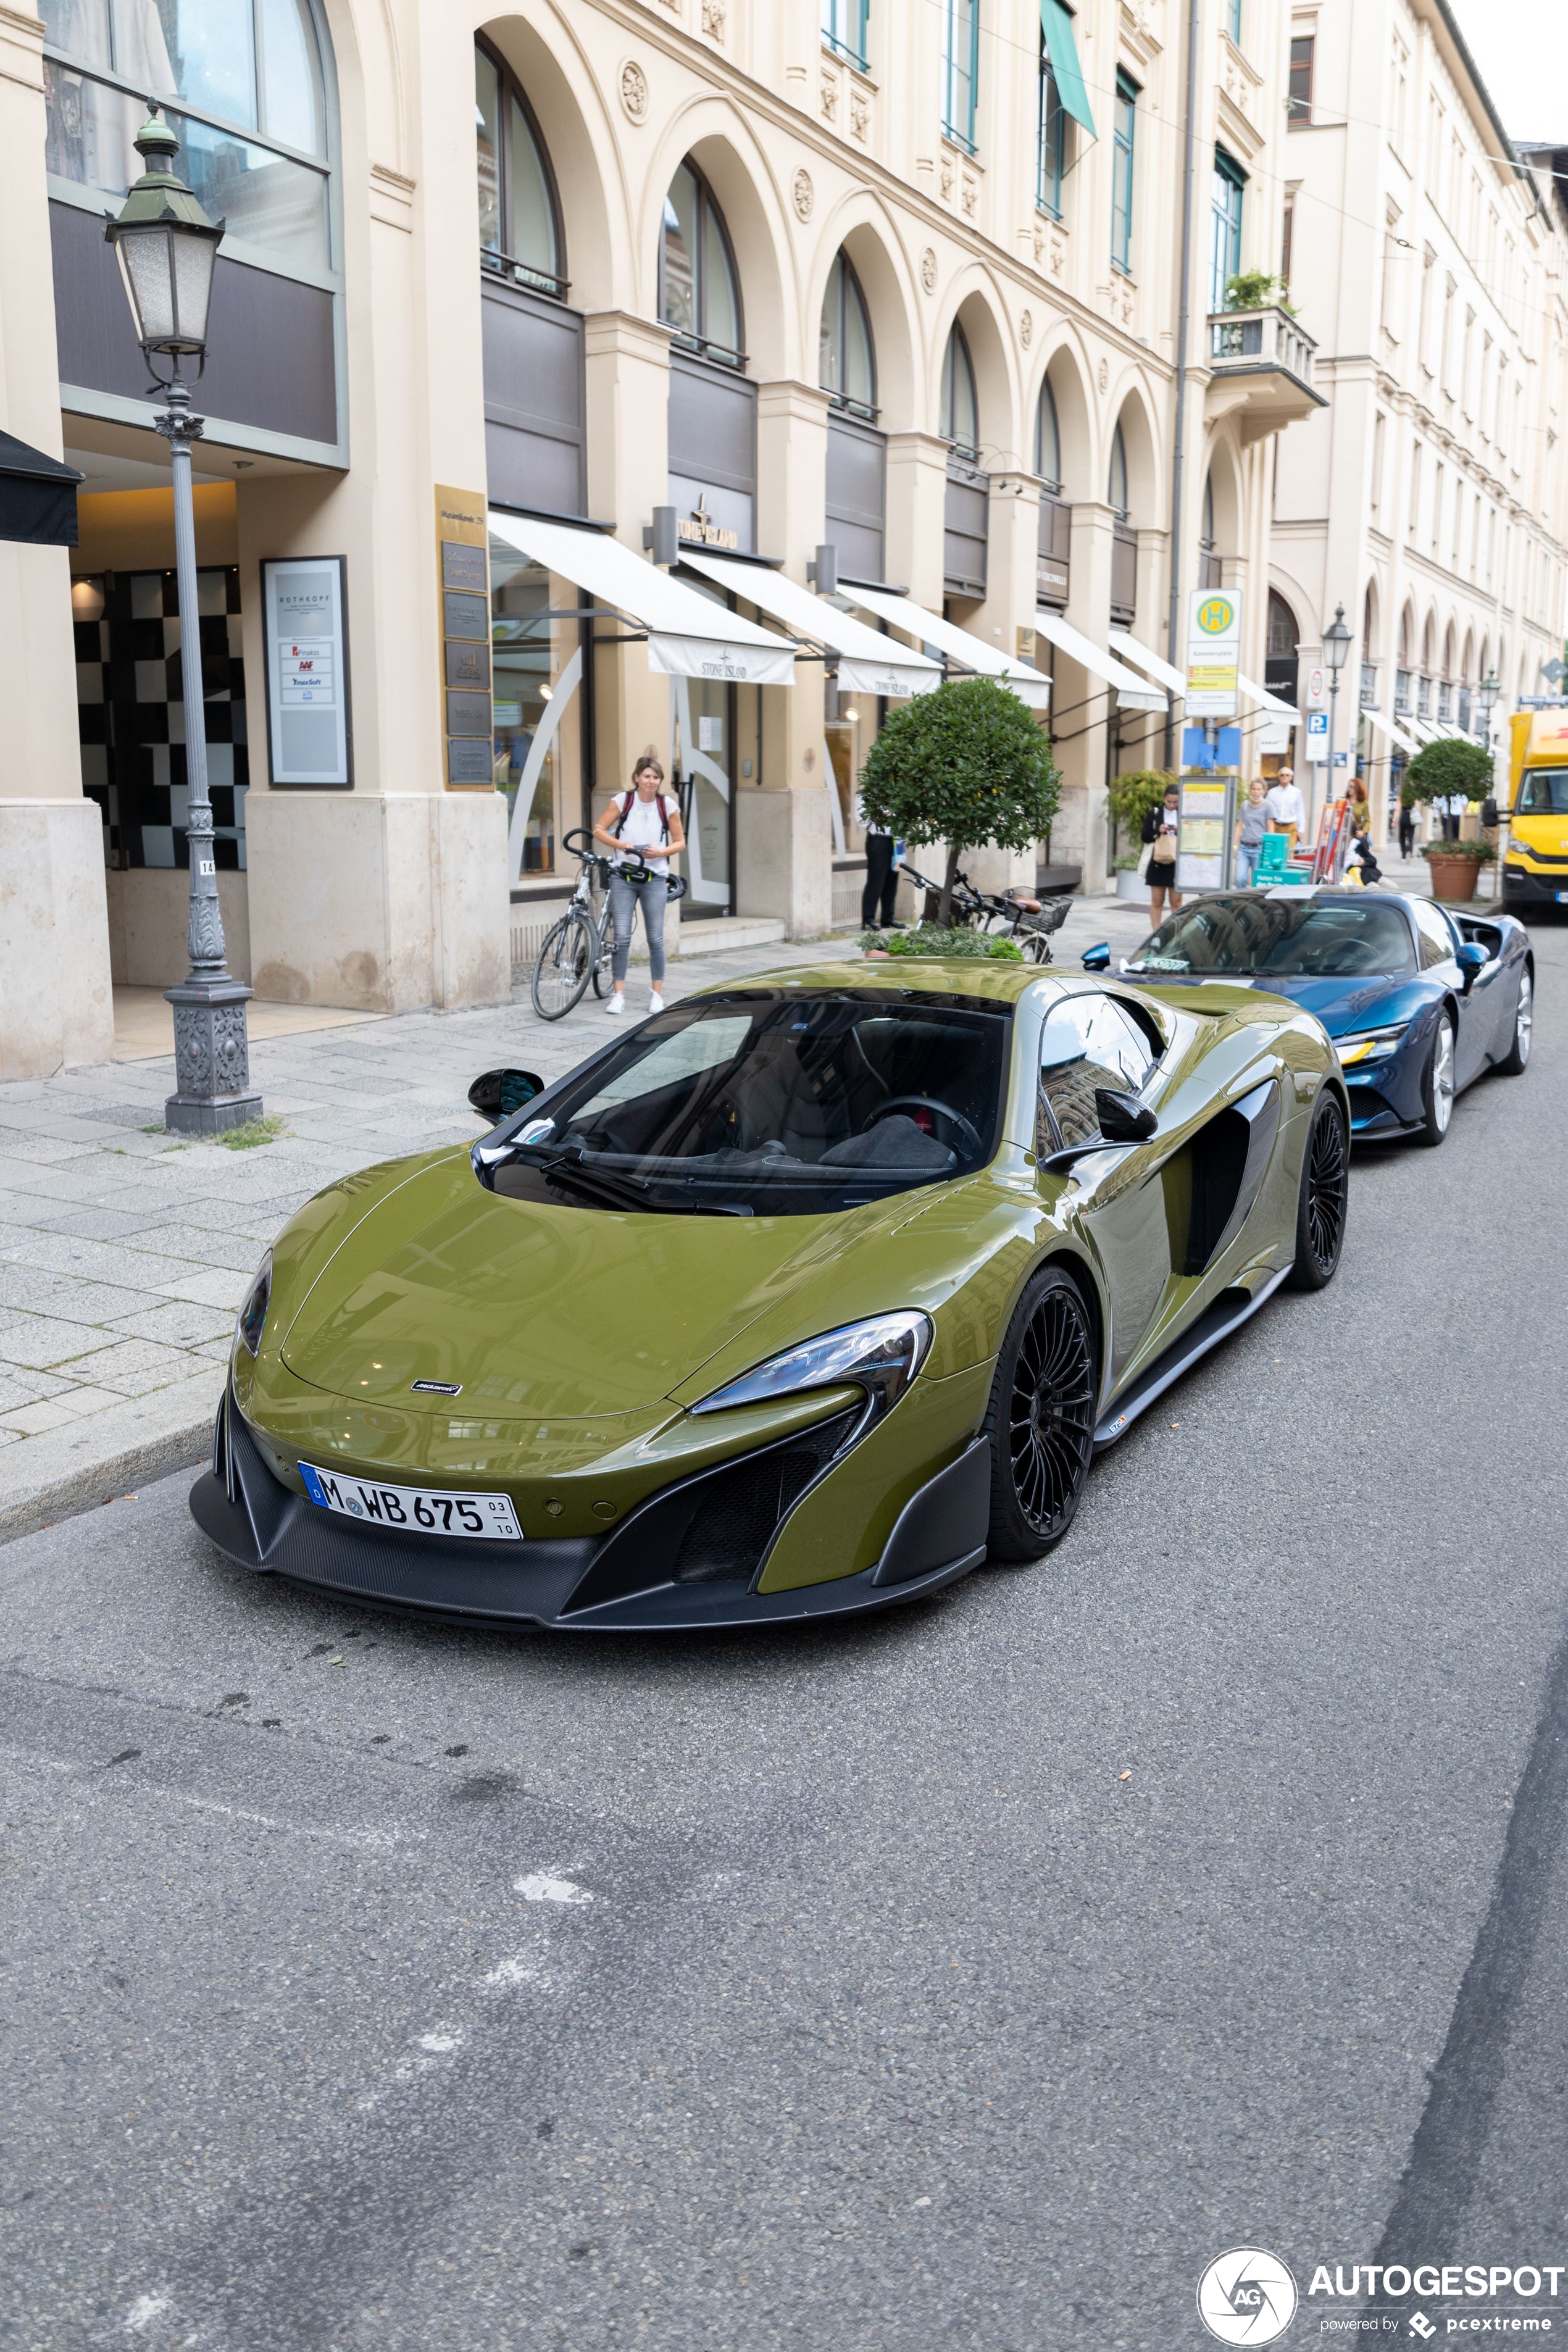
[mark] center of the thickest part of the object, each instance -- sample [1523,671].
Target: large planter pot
[1129,884]
[1454,878]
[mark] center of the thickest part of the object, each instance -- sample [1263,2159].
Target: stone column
[1081,706]
[1011,564]
[917,498]
[56,1001]
[628,422]
[783,826]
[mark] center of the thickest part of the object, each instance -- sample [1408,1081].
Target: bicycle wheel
[565,961]
[606,944]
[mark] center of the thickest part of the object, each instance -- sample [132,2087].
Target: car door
[1495,989]
[1438,941]
[1088,1041]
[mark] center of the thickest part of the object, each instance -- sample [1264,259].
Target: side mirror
[1097,959]
[501,1092]
[1472,960]
[1489,813]
[1123,1118]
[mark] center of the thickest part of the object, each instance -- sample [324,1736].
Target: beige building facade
[1429,499]
[881,299]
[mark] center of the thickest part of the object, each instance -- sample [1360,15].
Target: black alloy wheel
[1041,1420]
[1323,1198]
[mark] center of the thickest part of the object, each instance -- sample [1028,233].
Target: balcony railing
[1264,338]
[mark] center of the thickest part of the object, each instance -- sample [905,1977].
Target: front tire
[1322,1200]
[1516,1059]
[1437,1088]
[565,961]
[1041,1420]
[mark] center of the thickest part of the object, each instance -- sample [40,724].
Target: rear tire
[1041,1419]
[1322,1200]
[1516,1060]
[1437,1088]
[565,961]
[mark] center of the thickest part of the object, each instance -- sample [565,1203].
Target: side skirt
[1229,1311]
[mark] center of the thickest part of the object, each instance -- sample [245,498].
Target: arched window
[1283,638]
[1115,492]
[1049,440]
[1210,570]
[1428,644]
[848,363]
[1468,669]
[246,94]
[1208,512]
[519,228]
[1405,636]
[699,293]
[1448,652]
[960,409]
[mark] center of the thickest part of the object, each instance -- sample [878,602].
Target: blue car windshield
[765,1102]
[1250,936]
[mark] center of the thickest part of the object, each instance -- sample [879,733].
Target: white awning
[1386,727]
[869,662]
[1031,686]
[1271,702]
[681,637]
[1123,641]
[1134,693]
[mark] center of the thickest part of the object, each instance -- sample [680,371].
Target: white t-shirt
[644,827]
[1285,805]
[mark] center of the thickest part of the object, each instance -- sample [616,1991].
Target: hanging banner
[308,735]
[1214,652]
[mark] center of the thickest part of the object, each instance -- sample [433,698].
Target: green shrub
[943,939]
[1483,852]
[1131,797]
[967,764]
[1453,764]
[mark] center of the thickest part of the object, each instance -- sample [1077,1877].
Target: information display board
[1203,828]
[462,547]
[308,739]
[1214,652]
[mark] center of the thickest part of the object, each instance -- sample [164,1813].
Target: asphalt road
[962,1980]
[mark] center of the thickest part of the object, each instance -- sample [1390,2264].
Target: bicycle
[579,947]
[1028,922]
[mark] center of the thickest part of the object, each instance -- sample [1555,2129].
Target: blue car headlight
[881,1355]
[1364,1046]
[253,1313]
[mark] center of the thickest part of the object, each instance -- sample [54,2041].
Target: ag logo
[1216,616]
[1246,2297]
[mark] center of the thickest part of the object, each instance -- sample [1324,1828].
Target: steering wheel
[966,1128]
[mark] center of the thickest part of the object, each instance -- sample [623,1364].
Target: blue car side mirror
[1097,959]
[1471,959]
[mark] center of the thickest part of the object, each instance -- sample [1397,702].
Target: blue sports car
[1418,999]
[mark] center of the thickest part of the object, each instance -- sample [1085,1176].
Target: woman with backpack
[645,821]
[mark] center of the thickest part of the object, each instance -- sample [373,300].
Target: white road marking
[516,1970]
[441,2043]
[143,2311]
[544,1886]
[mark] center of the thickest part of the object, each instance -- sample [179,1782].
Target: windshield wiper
[564,1165]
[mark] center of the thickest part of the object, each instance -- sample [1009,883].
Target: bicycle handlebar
[597,854]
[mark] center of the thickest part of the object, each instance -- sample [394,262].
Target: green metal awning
[1056,23]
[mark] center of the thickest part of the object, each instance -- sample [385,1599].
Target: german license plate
[420,1510]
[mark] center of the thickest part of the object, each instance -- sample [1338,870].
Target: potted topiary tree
[968,764]
[1454,768]
[1130,799]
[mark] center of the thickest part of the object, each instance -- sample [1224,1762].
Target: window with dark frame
[960,407]
[1121,168]
[520,219]
[844,29]
[1053,146]
[960,68]
[1224,213]
[699,287]
[1300,108]
[847,368]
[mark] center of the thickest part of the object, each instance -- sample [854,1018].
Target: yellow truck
[1535,863]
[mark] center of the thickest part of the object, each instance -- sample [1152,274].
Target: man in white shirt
[1286,809]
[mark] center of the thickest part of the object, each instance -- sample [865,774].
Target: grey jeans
[624,897]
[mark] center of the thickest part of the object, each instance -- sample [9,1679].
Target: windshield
[764,1103]
[1286,938]
[1544,792]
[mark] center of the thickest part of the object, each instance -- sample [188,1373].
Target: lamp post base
[212,1059]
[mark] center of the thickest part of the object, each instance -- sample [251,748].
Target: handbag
[1164,849]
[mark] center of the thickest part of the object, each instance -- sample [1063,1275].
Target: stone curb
[72,1470]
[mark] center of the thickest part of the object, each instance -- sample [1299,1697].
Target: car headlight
[881,1355]
[253,1313]
[1369,1044]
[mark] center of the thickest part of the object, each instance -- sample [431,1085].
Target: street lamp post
[1337,644]
[166,247]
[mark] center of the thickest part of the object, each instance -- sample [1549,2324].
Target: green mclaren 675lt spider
[807,1295]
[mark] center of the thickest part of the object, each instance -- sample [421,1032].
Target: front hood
[1342,1004]
[535,1310]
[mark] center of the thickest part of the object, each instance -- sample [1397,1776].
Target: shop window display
[538,663]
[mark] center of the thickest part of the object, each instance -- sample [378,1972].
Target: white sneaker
[618,1003]
[656,1002]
